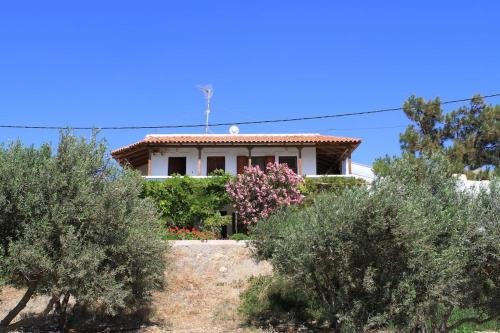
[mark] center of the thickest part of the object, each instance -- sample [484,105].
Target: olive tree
[407,251]
[74,227]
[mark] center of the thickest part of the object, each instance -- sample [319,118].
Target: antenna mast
[208,91]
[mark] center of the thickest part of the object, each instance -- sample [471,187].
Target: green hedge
[336,185]
[186,201]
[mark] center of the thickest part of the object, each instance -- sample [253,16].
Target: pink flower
[255,194]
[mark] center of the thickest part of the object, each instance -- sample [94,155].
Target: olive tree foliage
[72,225]
[405,252]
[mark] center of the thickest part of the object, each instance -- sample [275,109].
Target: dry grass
[204,283]
[204,287]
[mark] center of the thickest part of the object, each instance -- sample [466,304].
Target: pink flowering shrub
[256,193]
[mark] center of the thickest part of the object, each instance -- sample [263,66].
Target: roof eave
[140,145]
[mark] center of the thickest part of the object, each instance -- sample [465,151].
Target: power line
[338,115]
[362,128]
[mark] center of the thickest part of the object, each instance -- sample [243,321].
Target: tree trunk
[446,317]
[49,306]
[63,313]
[21,305]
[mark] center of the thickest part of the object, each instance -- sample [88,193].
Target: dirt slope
[204,285]
[204,282]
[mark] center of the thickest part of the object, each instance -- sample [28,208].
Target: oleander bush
[256,193]
[408,252]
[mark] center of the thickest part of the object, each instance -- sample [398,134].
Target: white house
[159,156]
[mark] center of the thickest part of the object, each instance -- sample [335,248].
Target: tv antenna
[208,91]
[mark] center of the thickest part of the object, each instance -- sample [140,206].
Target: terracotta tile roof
[217,139]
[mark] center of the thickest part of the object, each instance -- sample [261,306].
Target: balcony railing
[161,178]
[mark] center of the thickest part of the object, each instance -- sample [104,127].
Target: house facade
[159,156]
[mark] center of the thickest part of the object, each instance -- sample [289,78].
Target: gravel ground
[205,279]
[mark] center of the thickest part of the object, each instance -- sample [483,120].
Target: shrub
[336,185]
[336,263]
[275,299]
[470,327]
[187,202]
[407,251]
[215,222]
[77,229]
[239,236]
[255,194]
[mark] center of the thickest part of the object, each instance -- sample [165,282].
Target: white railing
[161,178]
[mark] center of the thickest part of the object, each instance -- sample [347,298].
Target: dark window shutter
[269,159]
[290,161]
[215,163]
[241,163]
[176,165]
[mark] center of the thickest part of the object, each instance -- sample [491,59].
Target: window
[262,161]
[290,161]
[215,163]
[176,165]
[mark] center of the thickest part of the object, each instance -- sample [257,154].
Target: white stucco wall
[309,161]
[344,166]
[159,160]
[362,171]
[471,185]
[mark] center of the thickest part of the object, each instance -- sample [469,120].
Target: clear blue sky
[102,63]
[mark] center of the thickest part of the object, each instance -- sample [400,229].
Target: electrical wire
[254,122]
[362,128]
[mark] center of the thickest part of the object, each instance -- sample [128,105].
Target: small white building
[159,156]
